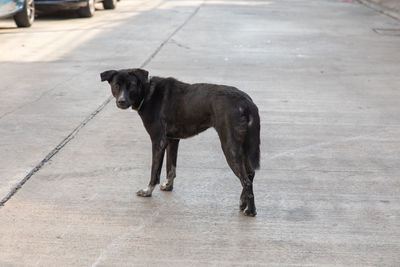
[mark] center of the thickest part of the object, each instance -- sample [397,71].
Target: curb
[381,9]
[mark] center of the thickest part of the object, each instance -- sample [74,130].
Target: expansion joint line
[381,9]
[74,133]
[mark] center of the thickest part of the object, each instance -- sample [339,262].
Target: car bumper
[60,4]
[9,7]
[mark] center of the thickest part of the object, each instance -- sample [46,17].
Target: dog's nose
[121,102]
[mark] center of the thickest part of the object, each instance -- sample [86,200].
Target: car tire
[88,10]
[109,4]
[26,16]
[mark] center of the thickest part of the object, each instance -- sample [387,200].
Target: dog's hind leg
[247,197]
[232,133]
[172,153]
[250,174]
[235,158]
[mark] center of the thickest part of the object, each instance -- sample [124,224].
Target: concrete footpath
[387,7]
[325,76]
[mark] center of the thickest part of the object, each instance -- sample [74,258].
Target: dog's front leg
[158,156]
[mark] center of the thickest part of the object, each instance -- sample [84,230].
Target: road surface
[325,76]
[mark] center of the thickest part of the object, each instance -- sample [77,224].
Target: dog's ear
[141,74]
[107,75]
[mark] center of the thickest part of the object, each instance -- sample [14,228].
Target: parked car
[85,8]
[23,11]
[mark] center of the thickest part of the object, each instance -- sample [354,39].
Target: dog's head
[127,86]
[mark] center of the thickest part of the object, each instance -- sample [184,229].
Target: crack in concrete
[72,135]
[381,9]
[173,33]
[65,141]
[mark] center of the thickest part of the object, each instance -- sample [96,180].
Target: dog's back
[193,108]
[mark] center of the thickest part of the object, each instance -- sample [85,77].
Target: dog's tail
[252,141]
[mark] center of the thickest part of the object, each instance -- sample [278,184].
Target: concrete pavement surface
[325,76]
[391,4]
[387,7]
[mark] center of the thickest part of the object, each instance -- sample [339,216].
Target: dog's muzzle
[122,102]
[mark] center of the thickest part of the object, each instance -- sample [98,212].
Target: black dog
[172,110]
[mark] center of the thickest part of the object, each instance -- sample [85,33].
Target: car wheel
[88,10]
[109,4]
[26,16]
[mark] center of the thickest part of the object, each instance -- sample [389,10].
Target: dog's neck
[151,85]
[140,105]
[148,91]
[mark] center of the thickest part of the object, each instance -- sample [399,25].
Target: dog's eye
[115,89]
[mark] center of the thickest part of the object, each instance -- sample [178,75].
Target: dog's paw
[250,213]
[143,193]
[242,205]
[167,186]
